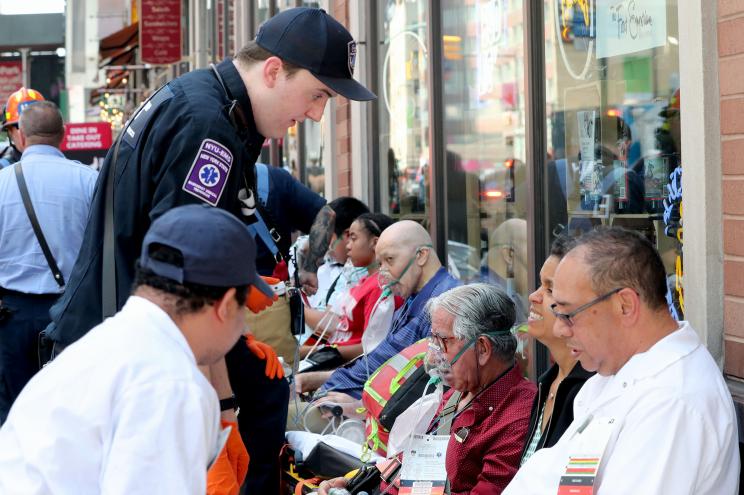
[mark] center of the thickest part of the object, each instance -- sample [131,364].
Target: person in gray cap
[126,408]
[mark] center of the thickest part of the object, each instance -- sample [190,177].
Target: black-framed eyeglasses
[567,317]
[440,341]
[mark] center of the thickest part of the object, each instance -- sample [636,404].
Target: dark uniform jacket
[181,147]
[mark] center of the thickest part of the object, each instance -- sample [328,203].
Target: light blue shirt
[61,191]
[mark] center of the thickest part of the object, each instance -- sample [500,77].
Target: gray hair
[480,309]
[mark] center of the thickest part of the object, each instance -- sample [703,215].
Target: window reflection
[484,115]
[404,119]
[613,123]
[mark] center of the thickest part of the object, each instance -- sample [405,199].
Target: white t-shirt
[674,427]
[124,410]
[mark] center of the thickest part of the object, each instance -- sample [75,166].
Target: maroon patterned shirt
[492,432]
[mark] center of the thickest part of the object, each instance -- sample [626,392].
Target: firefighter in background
[11,113]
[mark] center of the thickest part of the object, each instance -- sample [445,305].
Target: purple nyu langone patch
[208,175]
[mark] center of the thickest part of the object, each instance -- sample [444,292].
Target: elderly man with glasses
[486,411]
[657,417]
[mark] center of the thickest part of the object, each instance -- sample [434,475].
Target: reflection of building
[405,102]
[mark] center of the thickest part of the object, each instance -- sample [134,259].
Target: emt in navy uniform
[59,192]
[196,140]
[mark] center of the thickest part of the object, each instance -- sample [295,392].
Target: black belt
[15,293]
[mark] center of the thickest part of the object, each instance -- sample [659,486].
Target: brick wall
[731,83]
[340,11]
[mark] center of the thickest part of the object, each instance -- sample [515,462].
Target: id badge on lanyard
[424,471]
[588,447]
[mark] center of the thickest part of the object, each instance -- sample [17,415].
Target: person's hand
[266,352]
[327,325]
[236,452]
[348,403]
[229,470]
[310,381]
[256,300]
[309,282]
[326,485]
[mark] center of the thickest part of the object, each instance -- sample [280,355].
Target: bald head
[406,255]
[41,123]
[406,233]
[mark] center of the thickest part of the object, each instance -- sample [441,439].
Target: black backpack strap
[108,267]
[56,273]
[332,288]
[131,133]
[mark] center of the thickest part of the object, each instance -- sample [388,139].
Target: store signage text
[627,26]
[87,136]
[160,31]
[11,78]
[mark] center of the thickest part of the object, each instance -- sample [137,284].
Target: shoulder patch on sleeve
[134,127]
[208,174]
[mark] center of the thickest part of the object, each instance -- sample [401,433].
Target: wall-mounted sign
[11,78]
[628,26]
[160,31]
[87,142]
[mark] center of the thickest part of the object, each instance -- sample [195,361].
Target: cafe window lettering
[612,95]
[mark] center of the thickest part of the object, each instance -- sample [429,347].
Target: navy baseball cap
[317,42]
[217,248]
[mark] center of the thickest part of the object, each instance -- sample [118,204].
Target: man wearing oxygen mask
[482,420]
[410,269]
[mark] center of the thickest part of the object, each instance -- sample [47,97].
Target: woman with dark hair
[552,410]
[345,323]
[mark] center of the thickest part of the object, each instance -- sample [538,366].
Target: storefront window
[404,106]
[612,91]
[315,158]
[484,119]
[262,11]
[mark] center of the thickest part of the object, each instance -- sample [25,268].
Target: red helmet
[16,103]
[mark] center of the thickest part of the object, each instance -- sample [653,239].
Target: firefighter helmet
[16,103]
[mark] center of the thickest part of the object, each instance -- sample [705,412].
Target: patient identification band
[583,462]
[424,471]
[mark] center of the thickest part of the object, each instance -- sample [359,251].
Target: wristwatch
[229,403]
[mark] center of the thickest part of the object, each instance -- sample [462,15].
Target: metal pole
[250,19]
[200,29]
[536,150]
[373,110]
[227,50]
[274,145]
[437,165]
[25,68]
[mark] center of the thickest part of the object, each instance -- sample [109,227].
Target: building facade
[502,123]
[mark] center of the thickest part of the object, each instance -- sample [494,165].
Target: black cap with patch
[313,40]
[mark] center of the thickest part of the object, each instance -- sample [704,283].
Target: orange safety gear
[381,387]
[256,300]
[229,470]
[16,103]
[265,351]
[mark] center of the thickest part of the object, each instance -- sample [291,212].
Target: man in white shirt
[126,408]
[657,418]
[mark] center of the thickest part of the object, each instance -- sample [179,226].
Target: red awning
[119,48]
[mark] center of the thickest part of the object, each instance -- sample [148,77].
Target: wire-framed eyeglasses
[440,341]
[567,318]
